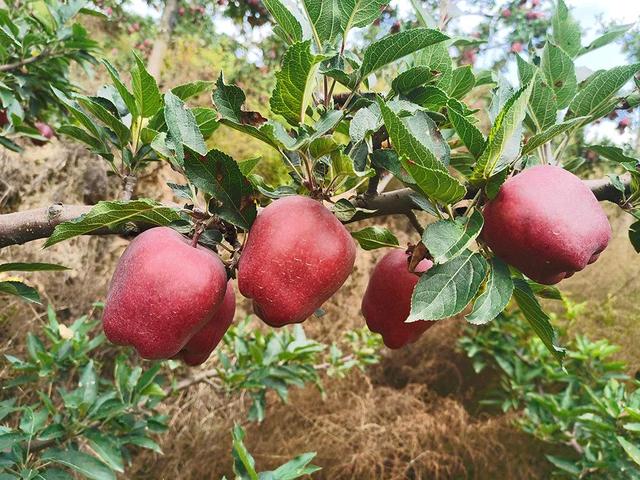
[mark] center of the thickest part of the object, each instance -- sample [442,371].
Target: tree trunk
[165,31]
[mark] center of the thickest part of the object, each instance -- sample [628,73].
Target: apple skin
[297,256]
[45,130]
[386,303]
[205,340]
[547,223]
[4,118]
[162,292]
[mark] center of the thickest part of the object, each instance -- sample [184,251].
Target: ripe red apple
[547,223]
[506,13]
[4,118]
[516,47]
[623,124]
[387,301]
[297,256]
[162,293]
[205,340]
[45,130]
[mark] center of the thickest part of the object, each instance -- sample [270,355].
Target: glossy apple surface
[547,223]
[205,340]
[162,292]
[297,256]
[387,301]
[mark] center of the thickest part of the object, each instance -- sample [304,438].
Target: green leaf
[145,89]
[78,114]
[207,120]
[437,58]
[295,82]
[31,267]
[503,144]
[344,210]
[446,289]
[105,116]
[21,290]
[112,215]
[80,462]
[359,13]
[594,99]
[497,292]
[127,97]
[537,318]
[564,465]
[182,127]
[630,448]
[244,464]
[549,134]
[560,73]
[459,82]
[143,442]
[219,175]
[543,106]
[106,449]
[612,34]
[410,79]
[371,238]
[394,47]
[285,19]
[247,166]
[446,239]
[468,132]
[192,89]
[566,31]
[431,175]
[81,135]
[296,468]
[324,16]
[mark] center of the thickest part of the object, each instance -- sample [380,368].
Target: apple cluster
[170,297]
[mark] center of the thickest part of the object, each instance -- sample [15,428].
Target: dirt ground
[412,416]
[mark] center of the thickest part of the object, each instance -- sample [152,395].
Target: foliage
[333,145]
[255,362]
[590,406]
[78,415]
[40,42]
[244,464]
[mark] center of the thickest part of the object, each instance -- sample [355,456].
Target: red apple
[547,223]
[516,47]
[205,340]
[162,293]
[506,13]
[297,256]
[4,118]
[387,301]
[45,130]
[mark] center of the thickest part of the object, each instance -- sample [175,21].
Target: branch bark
[22,227]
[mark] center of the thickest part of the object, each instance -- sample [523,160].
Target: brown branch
[22,227]
[13,66]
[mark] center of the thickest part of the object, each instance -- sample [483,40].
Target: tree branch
[22,227]
[21,63]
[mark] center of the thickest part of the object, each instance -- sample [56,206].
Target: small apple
[387,301]
[297,256]
[46,131]
[516,47]
[623,124]
[506,13]
[547,223]
[163,291]
[205,340]
[4,118]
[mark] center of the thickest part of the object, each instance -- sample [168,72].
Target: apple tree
[512,218]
